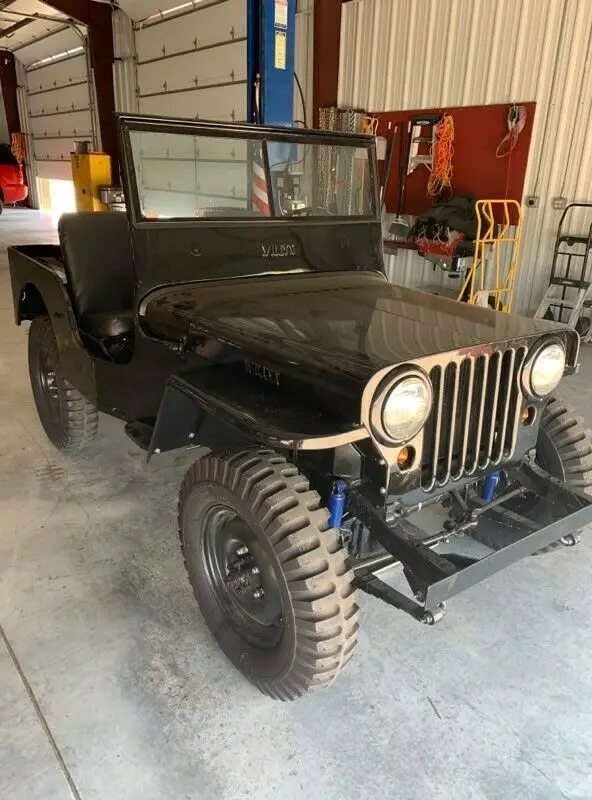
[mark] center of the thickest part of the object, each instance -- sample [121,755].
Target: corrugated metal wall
[402,54]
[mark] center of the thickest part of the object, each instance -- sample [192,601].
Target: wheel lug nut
[258,594]
[242,551]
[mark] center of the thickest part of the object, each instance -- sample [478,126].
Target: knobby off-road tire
[268,572]
[69,420]
[564,450]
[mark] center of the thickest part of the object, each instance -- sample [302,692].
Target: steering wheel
[309,211]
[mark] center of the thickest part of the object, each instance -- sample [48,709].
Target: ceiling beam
[82,10]
[12,29]
[25,18]
[32,16]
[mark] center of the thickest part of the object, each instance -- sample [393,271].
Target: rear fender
[40,289]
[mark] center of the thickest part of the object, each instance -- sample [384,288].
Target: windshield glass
[181,176]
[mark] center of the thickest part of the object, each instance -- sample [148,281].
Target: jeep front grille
[475,415]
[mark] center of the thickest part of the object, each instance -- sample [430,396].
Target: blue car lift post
[270,77]
[270,61]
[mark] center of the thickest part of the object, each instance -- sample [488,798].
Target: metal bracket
[427,566]
[371,584]
[433,577]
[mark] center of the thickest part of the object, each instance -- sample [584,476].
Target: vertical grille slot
[432,430]
[503,406]
[490,416]
[476,412]
[448,412]
[475,415]
[460,443]
[515,405]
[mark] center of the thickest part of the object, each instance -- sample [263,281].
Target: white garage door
[59,97]
[194,64]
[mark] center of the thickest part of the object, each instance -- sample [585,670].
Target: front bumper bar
[434,577]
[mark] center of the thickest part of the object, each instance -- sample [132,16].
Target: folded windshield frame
[250,133]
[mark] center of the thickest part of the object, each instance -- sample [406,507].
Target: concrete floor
[111,687]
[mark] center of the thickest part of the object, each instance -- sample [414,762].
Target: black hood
[341,324]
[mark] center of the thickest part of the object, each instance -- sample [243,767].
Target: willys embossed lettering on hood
[278,250]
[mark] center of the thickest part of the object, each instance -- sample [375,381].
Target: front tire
[69,420]
[564,450]
[268,572]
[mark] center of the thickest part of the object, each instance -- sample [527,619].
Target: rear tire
[69,420]
[268,572]
[564,450]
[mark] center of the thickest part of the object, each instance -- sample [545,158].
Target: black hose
[299,85]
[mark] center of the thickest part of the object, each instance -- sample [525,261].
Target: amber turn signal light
[405,457]
[527,415]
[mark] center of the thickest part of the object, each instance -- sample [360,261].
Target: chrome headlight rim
[386,386]
[533,355]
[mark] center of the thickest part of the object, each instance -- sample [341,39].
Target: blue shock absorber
[336,503]
[490,485]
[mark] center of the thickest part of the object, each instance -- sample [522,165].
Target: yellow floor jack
[491,277]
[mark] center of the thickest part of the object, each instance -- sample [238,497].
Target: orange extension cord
[441,175]
[17,146]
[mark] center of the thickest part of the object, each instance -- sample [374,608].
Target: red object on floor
[12,179]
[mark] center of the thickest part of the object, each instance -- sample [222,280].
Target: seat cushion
[99,262]
[106,324]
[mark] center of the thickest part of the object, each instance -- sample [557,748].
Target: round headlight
[547,369]
[406,408]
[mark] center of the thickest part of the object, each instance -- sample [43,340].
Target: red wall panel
[476,168]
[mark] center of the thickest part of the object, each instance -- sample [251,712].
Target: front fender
[250,408]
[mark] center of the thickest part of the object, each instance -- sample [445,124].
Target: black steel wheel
[69,420]
[268,573]
[564,450]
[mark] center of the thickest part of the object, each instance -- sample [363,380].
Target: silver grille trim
[486,390]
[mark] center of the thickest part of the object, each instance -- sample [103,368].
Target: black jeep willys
[241,304]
